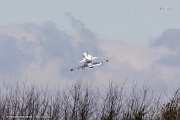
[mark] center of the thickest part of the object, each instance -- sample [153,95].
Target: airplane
[88,62]
[166,8]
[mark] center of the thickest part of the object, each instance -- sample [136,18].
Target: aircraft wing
[90,65]
[79,67]
[76,68]
[106,60]
[101,62]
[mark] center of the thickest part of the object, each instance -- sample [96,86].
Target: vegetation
[83,102]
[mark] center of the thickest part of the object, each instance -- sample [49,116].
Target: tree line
[81,101]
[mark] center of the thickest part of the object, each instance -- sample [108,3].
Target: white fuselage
[92,64]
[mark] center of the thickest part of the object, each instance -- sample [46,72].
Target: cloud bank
[42,53]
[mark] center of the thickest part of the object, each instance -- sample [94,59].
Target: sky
[40,40]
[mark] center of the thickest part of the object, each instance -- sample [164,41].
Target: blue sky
[128,20]
[40,39]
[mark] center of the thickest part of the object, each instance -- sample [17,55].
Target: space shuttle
[87,58]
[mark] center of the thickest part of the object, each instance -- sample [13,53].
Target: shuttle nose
[84,54]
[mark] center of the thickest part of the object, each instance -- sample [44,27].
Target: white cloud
[19,33]
[155,64]
[138,55]
[44,52]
